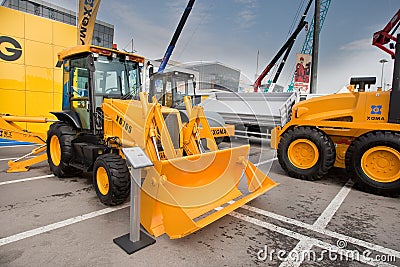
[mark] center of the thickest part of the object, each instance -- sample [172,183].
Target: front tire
[111,179]
[59,149]
[306,153]
[373,161]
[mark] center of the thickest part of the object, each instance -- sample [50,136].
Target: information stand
[136,239]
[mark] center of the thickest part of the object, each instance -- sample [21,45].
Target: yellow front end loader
[192,182]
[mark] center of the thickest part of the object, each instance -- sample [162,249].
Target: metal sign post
[136,239]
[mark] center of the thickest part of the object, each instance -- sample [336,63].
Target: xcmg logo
[12,49]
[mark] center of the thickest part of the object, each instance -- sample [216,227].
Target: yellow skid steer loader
[358,131]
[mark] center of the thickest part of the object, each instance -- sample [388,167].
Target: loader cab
[170,87]
[91,76]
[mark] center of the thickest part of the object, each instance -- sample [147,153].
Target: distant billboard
[302,73]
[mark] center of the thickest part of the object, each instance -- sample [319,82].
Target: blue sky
[231,31]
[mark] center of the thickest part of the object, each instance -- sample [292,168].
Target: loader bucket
[182,195]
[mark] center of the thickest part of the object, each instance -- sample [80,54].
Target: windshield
[116,77]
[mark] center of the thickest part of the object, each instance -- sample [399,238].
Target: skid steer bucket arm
[191,131]
[181,194]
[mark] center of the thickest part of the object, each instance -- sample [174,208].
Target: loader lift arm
[210,177]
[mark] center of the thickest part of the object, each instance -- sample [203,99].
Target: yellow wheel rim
[55,150]
[102,181]
[381,164]
[303,153]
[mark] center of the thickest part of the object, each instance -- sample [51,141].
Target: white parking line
[305,244]
[308,242]
[264,162]
[7,159]
[327,232]
[18,146]
[27,179]
[335,204]
[57,225]
[326,246]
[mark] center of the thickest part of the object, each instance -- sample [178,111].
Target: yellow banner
[86,19]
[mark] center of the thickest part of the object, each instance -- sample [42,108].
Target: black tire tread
[119,179]
[65,133]
[326,146]
[365,142]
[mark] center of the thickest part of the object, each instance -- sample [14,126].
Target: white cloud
[362,63]
[147,33]
[200,41]
[363,44]
[198,14]
[249,3]
[247,16]
[151,37]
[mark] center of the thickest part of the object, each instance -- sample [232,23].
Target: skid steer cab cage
[189,186]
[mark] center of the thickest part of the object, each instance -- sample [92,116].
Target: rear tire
[111,179]
[306,153]
[59,149]
[373,161]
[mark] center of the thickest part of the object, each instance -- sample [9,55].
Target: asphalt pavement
[47,221]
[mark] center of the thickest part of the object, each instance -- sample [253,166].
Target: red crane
[284,49]
[384,36]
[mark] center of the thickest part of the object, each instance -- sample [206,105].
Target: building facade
[103,32]
[32,33]
[215,75]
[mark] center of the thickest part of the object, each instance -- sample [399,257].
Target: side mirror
[90,63]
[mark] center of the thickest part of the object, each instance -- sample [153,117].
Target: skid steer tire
[111,179]
[373,161]
[306,153]
[59,149]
